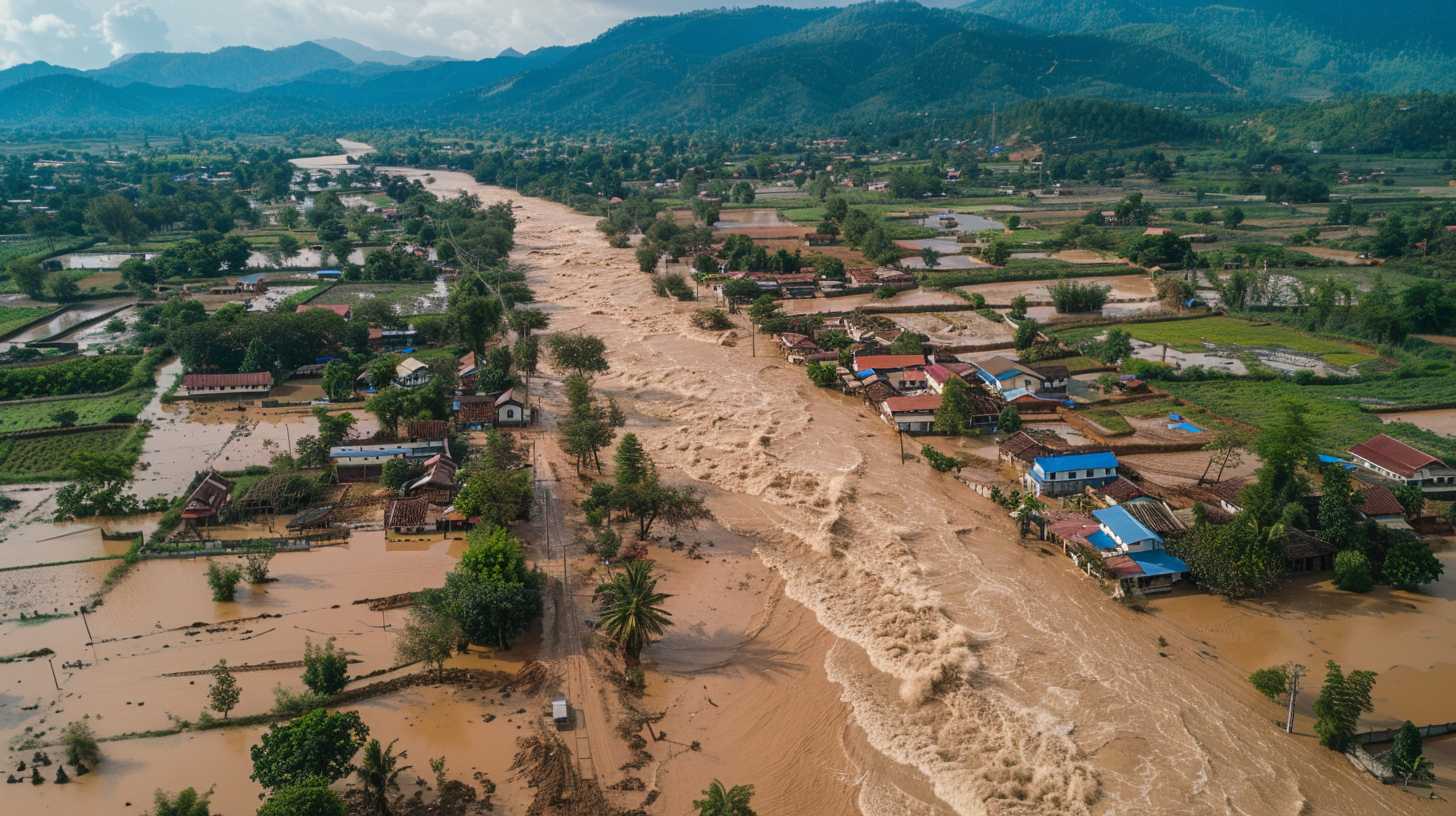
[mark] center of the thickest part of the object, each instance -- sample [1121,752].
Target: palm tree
[720,801]
[1029,506]
[631,609]
[379,773]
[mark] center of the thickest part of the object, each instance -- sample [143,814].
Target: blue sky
[91,33]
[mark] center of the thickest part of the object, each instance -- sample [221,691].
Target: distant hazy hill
[29,71]
[1303,48]
[237,67]
[359,52]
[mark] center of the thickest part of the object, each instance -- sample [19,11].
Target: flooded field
[848,303]
[956,328]
[64,322]
[979,676]
[1123,287]
[959,222]
[1440,420]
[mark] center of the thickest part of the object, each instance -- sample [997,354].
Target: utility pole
[1295,672]
[52,662]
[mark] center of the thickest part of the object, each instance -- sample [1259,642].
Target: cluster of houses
[1127,526]
[906,389]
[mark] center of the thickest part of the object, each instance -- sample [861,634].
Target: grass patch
[13,317]
[1079,364]
[36,416]
[45,458]
[1227,332]
[1111,422]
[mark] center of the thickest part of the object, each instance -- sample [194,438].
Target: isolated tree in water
[723,801]
[223,696]
[1342,699]
[378,774]
[631,610]
[325,668]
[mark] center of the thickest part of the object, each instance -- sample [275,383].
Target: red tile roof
[1394,455]
[406,512]
[1379,501]
[1122,489]
[427,429]
[253,378]
[923,402]
[863,362]
[208,498]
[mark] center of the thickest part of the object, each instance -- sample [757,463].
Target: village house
[913,415]
[1134,554]
[473,412]
[938,374]
[884,363]
[796,346]
[380,338]
[410,516]
[1004,375]
[439,475]
[1021,450]
[249,384]
[467,372]
[1069,473]
[511,409]
[252,283]
[363,463]
[207,499]
[1398,462]
[411,373]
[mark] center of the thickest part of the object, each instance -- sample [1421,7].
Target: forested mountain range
[1271,48]
[764,67]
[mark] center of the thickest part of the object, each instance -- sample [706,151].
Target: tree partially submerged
[631,613]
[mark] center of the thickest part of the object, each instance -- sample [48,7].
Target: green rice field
[35,416]
[1229,332]
[43,458]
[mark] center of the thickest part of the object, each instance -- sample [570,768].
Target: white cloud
[129,28]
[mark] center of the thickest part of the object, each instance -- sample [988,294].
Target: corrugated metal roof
[1058,463]
[1124,525]
[1394,455]
[1159,562]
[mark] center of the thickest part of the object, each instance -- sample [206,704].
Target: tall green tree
[490,593]
[319,745]
[631,613]
[310,798]
[1342,699]
[580,354]
[224,693]
[631,461]
[378,773]
[719,800]
[956,411]
[325,668]
[1338,505]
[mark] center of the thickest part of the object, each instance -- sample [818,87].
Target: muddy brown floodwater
[977,675]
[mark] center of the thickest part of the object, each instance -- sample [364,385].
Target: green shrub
[1352,571]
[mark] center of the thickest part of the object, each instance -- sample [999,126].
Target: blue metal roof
[1076,461]
[1101,540]
[366,453]
[253,278]
[1158,562]
[1122,524]
[1018,393]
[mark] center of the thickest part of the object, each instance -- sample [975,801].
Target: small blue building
[1134,554]
[1066,474]
[329,274]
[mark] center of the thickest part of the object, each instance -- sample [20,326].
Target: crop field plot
[13,317]
[35,416]
[41,458]
[406,298]
[1333,411]
[1228,332]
